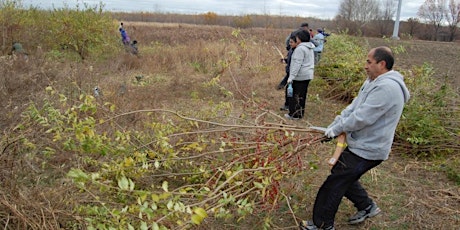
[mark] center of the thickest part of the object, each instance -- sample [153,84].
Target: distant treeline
[410,29]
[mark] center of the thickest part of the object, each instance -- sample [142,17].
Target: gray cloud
[325,9]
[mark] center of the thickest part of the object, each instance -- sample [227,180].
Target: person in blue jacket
[318,40]
[369,124]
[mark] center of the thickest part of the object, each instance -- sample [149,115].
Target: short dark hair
[383,53]
[304,24]
[303,35]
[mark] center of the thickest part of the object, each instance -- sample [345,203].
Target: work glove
[329,133]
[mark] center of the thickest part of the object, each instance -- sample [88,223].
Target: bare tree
[412,25]
[360,12]
[433,12]
[453,18]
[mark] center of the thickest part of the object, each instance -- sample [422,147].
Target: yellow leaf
[128,162]
[196,219]
[155,198]
[200,212]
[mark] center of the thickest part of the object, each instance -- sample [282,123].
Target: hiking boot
[284,108]
[309,225]
[371,211]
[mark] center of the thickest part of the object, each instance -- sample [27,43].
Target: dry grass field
[174,62]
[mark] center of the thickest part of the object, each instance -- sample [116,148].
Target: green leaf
[165,186]
[78,175]
[123,183]
[144,226]
[258,185]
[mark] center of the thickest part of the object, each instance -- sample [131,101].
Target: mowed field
[412,193]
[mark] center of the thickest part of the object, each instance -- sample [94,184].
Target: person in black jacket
[287,60]
[303,26]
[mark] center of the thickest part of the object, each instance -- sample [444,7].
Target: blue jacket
[370,120]
[318,40]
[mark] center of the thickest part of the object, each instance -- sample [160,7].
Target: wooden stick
[279,51]
[341,144]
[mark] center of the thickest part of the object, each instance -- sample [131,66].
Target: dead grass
[175,61]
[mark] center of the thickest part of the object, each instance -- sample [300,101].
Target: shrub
[342,67]
[87,32]
[429,125]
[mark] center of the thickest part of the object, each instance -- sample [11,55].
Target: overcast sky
[324,9]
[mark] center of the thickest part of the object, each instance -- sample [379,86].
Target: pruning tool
[279,51]
[341,143]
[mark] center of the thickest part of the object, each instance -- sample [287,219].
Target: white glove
[330,133]
[289,81]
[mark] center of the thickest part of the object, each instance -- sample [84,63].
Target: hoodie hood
[398,78]
[309,45]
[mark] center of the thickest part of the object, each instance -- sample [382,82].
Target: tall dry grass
[173,71]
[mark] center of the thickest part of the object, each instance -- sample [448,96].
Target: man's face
[374,69]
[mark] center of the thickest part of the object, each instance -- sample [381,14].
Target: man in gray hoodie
[369,124]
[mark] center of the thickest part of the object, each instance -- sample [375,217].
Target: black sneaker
[290,117]
[309,225]
[371,211]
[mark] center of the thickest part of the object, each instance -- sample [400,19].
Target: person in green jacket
[17,48]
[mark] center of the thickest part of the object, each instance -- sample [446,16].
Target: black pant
[343,181]
[297,102]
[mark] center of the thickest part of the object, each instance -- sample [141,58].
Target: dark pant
[297,102]
[343,181]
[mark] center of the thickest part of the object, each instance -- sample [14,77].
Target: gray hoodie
[302,62]
[370,120]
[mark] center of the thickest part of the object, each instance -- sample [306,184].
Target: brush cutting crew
[369,124]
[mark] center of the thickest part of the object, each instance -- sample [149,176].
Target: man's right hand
[329,133]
